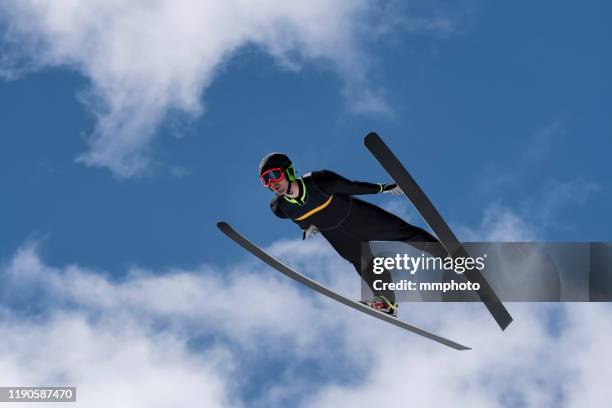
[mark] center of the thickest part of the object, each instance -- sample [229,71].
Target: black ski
[424,206]
[284,269]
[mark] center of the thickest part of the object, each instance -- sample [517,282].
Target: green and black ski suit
[326,201]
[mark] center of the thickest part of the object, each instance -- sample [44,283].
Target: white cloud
[499,224]
[113,362]
[539,212]
[211,334]
[140,341]
[144,58]
[526,366]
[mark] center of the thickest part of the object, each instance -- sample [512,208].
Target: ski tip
[222,225]
[500,313]
[504,325]
[370,137]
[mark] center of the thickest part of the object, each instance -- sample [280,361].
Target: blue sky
[122,154]
[464,109]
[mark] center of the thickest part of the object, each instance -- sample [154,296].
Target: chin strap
[289,188]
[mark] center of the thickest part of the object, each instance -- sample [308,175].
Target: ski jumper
[326,201]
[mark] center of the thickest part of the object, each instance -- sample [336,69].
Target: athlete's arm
[331,183]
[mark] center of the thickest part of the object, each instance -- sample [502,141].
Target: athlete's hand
[392,188]
[310,231]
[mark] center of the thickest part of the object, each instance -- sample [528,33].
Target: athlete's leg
[376,224]
[349,248]
[366,270]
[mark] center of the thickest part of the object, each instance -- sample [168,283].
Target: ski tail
[287,271]
[430,214]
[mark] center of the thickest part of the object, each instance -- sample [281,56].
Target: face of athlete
[280,187]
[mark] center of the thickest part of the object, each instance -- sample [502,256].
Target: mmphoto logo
[443,287]
[518,271]
[412,264]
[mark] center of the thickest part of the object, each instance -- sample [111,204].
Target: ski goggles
[272,176]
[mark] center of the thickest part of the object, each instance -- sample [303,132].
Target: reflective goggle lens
[272,175]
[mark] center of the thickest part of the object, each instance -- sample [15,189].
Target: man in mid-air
[323,201]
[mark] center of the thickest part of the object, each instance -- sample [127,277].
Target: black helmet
[277,161]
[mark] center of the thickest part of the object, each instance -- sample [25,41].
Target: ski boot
[381,304]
